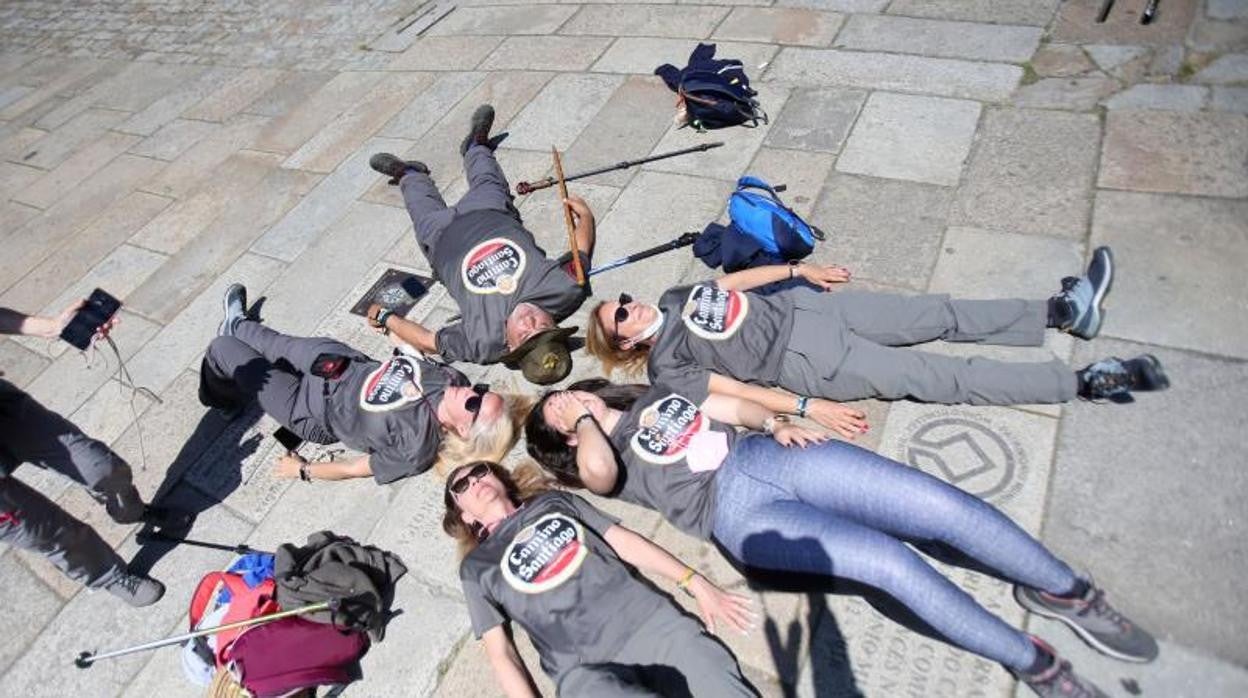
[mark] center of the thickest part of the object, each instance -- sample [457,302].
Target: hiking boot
[1059,680]
[135,589]
[218,392]
[394,168]
[164,517]
[1084,295]
[1114,379]
[479,130]
[235,304]
[1093,619]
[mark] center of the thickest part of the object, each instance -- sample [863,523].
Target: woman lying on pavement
[790,500]
[560,568]
[404,413]
[720,336]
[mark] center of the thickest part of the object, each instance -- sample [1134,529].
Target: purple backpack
[292,653]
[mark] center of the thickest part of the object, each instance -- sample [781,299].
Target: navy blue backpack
[757,211]
[716,91]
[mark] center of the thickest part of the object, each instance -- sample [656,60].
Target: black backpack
[716,92]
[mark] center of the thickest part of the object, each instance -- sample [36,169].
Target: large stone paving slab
[1031,12]
[882,230]
[626,128]
[799,27]
[1110,458]
[1076,22]
[38,606]
[1030,172]
[815,119]
[643,55]
[558,114]
[946,77]
[546,53]
[1204,154]
[921,139]
[1177,257]
[694,22]
[984,42]
[539,19]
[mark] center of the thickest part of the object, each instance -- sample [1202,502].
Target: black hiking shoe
[1059,680]
[1093,619]
[135,589]
[1114,379]
[234,303]
[394,168]
[218,392]
[1083,296]
[479,130]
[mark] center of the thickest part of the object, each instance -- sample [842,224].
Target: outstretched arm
[747,279]
[713,603]
[291,465]
[413,333]
[844,420]
[14,322]
[509,669]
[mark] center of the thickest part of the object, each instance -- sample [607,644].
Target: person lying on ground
[404,414]
[824,345]
[31,433]
[563,570]
[511,296]
[787,499]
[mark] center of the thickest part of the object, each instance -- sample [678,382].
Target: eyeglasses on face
[473,403]
[621,314]
[477,472]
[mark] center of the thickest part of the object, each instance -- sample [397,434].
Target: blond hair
[601,346]
[489,441]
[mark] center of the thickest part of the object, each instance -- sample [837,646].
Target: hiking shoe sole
[236,293]
[1100,274]
[1147,373]
[391,166]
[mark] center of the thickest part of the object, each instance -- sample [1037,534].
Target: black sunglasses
[477,472]
[473,403]
[621,314]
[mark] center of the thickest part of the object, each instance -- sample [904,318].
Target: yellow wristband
[683,582]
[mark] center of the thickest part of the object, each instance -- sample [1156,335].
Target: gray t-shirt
[489,264]
[548,568]
[707,330]
[389,411]
[668,451]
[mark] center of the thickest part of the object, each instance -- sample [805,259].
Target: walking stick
[567,217]
[87,659]
[529,187]
[239,549]
[682,241]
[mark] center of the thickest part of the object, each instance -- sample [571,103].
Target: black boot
[216,391]
[394,168]
[479,130]
[1114,379]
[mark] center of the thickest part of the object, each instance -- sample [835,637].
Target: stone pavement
[978,147]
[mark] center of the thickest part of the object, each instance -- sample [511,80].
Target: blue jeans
[837,509]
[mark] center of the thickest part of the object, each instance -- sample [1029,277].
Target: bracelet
[577,424]
[383,315]
[802,403]
[303,472]
[683,582]
[793,267]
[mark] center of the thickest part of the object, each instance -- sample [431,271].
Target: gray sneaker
[1059,680]
[235,306]
[136,590]
[1093,619]
[1084,295]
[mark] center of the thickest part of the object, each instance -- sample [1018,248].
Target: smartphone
[288,439]
[99,309]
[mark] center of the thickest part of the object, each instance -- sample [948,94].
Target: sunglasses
[473,403]
[621,314]
[477,472]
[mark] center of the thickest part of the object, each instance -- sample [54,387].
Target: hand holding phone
[84,320]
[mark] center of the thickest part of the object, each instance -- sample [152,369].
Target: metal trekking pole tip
[85,660]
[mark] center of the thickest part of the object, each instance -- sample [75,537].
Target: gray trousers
[670,655]
[31,433]
[850,345]
[487,190]
[274,369]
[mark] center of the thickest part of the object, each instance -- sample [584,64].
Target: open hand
[567,410]
[287,467]
[842,419]
[824,277]
[715,604]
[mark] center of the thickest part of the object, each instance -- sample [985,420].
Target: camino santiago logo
[713,313]
[544,554]
[394,384]
[667,426]
[493,266]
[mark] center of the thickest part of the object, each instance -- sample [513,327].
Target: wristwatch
[769,424]
[577,424]
[303,472]
[793,264]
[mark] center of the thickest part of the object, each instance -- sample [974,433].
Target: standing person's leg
[700,664]
[31,433]
[30,521]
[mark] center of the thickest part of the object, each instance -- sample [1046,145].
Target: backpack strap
[752,182]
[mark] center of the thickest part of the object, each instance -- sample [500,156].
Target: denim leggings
[837,509]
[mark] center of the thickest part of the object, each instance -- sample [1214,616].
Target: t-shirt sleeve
[482,611]
[693,382]
[409,452]
[593,517]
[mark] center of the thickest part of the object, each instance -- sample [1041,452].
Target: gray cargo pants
[848,346]
[487,190]
[31,433]
[669,655]
[274,369]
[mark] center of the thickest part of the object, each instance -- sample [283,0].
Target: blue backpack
[764,218]
[716,91]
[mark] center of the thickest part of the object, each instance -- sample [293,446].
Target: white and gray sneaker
[1060,679]
[1084,295]
[235,306]
[1092,618]
[135,589]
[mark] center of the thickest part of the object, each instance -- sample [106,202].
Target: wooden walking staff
[567,217]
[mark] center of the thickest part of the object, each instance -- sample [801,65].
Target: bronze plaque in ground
[396,290]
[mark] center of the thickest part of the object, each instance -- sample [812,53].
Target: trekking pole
[682,241]
[1150,12]
[239,549]
[87,659]
[529,187]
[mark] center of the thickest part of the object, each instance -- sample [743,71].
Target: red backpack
[292,653]
[245,602]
